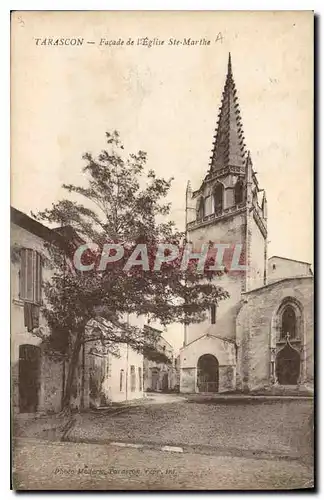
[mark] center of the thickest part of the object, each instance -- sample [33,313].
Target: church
[261,337]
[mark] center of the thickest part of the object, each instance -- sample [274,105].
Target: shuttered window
[30,275]
[140,379]
[133,378]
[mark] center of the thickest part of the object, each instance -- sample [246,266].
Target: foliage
[121,204]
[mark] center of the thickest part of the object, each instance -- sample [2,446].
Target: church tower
[229,208]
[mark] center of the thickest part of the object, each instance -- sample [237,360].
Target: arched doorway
[288,366]
[29,378]
[207,373]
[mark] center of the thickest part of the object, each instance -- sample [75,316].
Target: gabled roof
[218,337]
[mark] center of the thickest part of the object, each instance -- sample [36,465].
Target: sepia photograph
[162,250]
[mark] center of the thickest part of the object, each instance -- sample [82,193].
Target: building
[159,365]
[113,374]
[37,375]
[262,335]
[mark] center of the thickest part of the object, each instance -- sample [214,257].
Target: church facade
[262,335]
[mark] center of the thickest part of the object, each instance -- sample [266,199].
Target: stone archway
[288,366]
[207,373]
[287,344]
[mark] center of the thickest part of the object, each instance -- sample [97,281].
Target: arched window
[218,196]
[239,192]
[288,323]
[201,209]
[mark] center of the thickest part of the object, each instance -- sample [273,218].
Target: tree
[122,205]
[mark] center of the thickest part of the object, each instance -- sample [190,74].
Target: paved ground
[278,427]
[78,466]
[269,441]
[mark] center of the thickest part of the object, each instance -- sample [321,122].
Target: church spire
[229,147]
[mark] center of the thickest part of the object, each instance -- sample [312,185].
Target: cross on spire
[229,147]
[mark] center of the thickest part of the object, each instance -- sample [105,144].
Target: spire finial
[229,147]
[229,65]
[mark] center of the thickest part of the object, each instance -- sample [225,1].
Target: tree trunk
[71,372]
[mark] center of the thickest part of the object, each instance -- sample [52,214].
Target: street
[233,445]
[78,466]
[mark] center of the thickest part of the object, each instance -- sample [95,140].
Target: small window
[121,380]
[273,266]
[140,379]
[288,323]
[133,378]
[213,314]
[30,276]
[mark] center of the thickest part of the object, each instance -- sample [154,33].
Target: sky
[165,100]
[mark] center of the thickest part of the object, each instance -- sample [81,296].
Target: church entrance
[288,366]
[29,374]
[207,373]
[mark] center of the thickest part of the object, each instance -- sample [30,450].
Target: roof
[292,260]
[33,226]
[229,147]
[263,287]
[224,339]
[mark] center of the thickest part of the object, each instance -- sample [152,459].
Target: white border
[5,8]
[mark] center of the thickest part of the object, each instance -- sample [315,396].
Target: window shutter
[38,277]
[22,274]
[29,275]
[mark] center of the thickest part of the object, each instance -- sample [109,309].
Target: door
[288,366]
[207,373]
[29,378]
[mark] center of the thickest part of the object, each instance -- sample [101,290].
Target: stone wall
[254,329]
[223,350]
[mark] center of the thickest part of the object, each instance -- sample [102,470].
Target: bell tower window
[201,209]
[238,192]
[218,196]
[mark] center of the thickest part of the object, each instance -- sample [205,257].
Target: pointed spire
[229,65]
[229,147]
[189,189]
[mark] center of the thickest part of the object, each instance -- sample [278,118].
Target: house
[38,375]
[262,335]
[159,365]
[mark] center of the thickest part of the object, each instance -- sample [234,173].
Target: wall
[279,268]
[165,372]
[223,350]
[103,376]
[257,259]
[51,371]
[254,329]
[230,231]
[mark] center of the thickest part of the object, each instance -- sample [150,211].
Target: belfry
[227,352]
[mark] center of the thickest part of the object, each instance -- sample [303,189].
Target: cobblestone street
[232,444]
[78,466]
